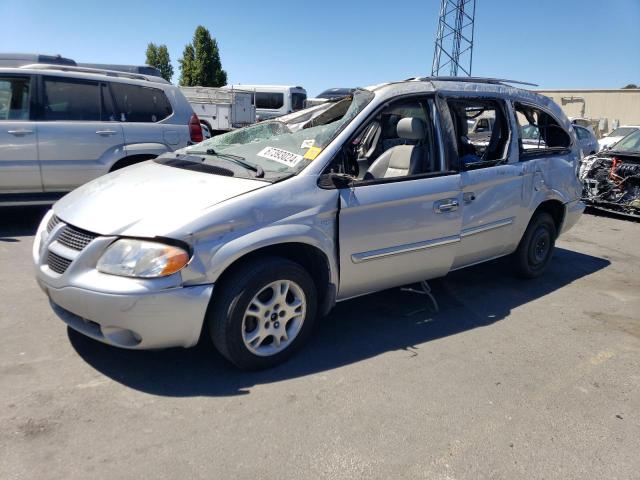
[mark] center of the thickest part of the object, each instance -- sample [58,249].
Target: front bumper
[170,318]
[125,312]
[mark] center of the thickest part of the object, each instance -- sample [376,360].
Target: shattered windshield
[286,145]
[629,144]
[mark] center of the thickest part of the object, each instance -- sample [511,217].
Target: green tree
[158,57]
[631,85]
[200,64]
[186,66]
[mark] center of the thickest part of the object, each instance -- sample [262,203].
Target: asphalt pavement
[511,379]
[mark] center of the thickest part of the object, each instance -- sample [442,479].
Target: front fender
[212,258]
[235,249]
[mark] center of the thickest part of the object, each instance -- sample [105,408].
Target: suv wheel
[263,313]
[536,247]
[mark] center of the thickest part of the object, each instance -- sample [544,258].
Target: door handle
[106,132]
[446,205]
[22,131]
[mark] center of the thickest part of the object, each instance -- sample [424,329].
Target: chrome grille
[53,221]
[75,238]
[57,263]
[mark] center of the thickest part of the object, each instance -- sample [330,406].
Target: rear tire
[252,322]
[535,250]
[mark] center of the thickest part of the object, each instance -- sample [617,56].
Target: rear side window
[270,100]
[482,132]
[14,98]
[134,103]
[66,99]
[539,132]
[297,101]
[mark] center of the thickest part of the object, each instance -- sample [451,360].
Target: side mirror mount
[335,180]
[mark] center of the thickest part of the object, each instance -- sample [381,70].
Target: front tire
[263,312]
[535,250]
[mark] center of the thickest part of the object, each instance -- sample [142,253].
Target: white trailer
[221,110]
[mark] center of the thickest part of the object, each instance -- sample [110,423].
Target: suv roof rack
[493,81]
[95,71]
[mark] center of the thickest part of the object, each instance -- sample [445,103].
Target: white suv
[62,126]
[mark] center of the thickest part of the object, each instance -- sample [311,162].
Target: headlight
[141,258]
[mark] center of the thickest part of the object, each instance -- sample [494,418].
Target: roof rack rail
[493,81]
[95,71]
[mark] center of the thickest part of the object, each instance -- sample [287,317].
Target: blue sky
[555,43]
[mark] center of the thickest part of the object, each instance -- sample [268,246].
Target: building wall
[621,105]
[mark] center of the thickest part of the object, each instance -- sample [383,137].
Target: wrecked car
[249,237]
[611,178]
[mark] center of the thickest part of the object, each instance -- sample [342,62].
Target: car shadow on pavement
[354,331]
[18,222]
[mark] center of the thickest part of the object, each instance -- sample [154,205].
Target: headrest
[411,128]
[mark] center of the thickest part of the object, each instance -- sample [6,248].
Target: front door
[19,167]
[397,233]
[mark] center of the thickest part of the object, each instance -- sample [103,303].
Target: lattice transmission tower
[454,40]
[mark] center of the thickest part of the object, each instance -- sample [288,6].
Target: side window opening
[398,141]
[539,132]
[481,131]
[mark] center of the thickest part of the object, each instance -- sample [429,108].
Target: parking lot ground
[512,379]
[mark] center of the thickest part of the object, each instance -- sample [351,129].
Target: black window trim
[426,98]
[33,95]
[524,155]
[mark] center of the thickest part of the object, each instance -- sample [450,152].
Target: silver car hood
[147,199]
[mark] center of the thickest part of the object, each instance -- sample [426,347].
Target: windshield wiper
[237,159]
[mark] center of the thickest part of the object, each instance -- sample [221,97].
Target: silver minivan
[61,126]
[258,232]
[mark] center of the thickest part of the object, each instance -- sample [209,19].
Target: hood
[147,199]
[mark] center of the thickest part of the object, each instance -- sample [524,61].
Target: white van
[274,100]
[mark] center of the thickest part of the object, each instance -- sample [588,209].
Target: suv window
[14,98]
[297,101]
[271,100]
[539,131]
[134,103]
[481,130]
[70,99]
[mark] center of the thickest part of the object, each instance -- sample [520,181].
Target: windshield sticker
[281,156]
[308,143]
[312,153]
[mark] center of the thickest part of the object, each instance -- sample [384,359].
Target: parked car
[611,178]
[61,126]
[20,59]
[259,231]
[587,140]
[616,135]
[272,101]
